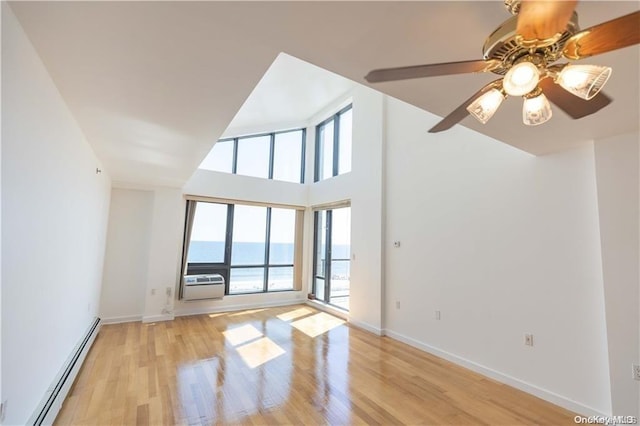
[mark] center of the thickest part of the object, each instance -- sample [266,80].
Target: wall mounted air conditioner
[199,287]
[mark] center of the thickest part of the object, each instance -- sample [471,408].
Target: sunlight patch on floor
[252,311]
[259,351]
[239,335]
[317,324]
[297,313]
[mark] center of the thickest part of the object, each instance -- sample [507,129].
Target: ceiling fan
[523,49]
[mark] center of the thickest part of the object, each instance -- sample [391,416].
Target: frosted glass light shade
[536,110]
[486,105]
[584,81]
[521,79]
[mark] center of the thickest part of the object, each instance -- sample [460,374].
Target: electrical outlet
[396,244]
[438,315]
[397,304]
[635,371]
[528,339]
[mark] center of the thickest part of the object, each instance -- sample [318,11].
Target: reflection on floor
[287,365]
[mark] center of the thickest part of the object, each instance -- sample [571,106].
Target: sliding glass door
[332,256]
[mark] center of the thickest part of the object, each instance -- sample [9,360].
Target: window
[253,156]
[208,235]
[253,247]
[276,155]
[288,157]
[333,145]
[220,158]
[332,256]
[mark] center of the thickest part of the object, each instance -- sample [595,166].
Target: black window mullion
[266,251]
[234,166]
[336,143]
[316,161]
[315,252]
[228,245]
[327,266]
[272,145]
[303,150]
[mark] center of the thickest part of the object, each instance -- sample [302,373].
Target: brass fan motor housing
[502,45]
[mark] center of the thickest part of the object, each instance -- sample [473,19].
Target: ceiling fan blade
[431,70]
[541,22]
[574,106]
[611,35]
[461,112]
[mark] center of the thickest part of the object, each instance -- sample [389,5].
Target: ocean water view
[249,280]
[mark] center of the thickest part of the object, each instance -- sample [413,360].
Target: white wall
[54,218]
[144,246]
[617,174]
[127,255]
[1,398]
[165,251]
[207,183]
[502,243]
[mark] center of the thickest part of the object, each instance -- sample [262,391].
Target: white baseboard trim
[157,318]
[118,320]
[54,397]
[549,396]
[238,307]
[367,327]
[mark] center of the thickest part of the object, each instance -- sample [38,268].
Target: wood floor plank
[286,365]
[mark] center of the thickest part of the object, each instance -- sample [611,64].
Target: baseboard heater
[52,402]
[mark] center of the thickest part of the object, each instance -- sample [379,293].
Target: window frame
[335,119]
[325,274]
[272,135]
[224,268]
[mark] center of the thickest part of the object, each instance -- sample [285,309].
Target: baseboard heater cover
[52,402]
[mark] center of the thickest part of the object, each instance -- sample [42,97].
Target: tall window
[333,145]
[332,256]
[252,247]
[276,155]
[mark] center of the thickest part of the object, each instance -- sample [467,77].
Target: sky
[250,224]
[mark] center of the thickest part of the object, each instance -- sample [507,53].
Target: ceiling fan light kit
[523,49]
[536,108]
[584,81]
[521,79]
[486,105]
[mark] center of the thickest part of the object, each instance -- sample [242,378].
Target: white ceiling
[288,95]
[154,84]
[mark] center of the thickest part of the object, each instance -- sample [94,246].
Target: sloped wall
[54,220]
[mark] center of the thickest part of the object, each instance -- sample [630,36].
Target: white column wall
[616,164]
[127,255]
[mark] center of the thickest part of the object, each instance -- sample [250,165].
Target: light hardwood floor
[286,365]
